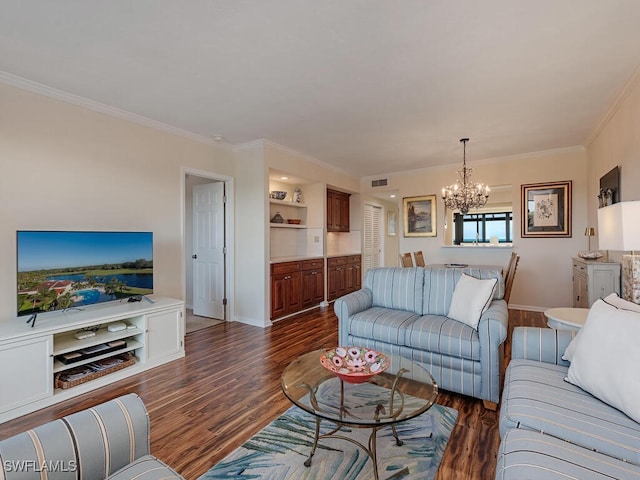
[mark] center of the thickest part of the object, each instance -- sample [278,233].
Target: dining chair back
[407,261]
[509,277]
[419,258]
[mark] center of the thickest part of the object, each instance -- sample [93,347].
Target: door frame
[229,269]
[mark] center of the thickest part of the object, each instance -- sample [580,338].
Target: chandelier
[464,194]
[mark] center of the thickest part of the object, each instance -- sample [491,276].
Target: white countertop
[295,258]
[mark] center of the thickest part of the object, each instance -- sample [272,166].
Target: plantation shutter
[372,237]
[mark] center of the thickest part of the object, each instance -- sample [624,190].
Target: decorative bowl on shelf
[354,364]
[590,255]
[278,194]
[294,221]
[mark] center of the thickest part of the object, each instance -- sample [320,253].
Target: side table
[566,318]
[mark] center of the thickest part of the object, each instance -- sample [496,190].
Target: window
[480,227]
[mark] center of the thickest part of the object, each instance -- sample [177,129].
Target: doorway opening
[208,256]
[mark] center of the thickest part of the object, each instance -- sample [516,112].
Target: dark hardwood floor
[227,388]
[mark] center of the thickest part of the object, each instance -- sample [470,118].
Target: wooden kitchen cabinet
[286,289]
[312,282]
[343,275]
[337,211]
[296,286]
[354,276]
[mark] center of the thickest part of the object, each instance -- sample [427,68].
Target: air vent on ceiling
[379,183]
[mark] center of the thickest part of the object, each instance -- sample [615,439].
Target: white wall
[543,279]
[67,167]
[617,143]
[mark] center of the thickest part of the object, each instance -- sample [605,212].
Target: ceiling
[368,86]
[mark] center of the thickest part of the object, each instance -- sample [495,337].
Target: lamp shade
[619,226]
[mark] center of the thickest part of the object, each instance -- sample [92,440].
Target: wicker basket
[60,380]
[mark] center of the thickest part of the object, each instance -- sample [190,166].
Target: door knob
[194,256]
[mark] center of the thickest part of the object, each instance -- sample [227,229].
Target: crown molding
[264,142]
[486,161]
[615,106]
[39,88]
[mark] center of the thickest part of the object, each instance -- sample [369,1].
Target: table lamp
[619,230]
[589,232]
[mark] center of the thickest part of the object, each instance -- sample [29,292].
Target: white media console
[32,358]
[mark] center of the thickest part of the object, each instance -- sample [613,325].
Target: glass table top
[405,390]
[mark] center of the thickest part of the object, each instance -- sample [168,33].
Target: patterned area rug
[279,451]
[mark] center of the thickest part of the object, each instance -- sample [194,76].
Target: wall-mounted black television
[59,270]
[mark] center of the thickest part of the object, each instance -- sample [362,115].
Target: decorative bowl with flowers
[354,364]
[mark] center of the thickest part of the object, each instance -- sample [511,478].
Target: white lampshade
[619,227]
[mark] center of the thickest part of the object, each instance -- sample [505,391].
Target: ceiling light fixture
[465,194]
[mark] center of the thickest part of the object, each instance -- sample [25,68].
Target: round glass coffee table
[404,391]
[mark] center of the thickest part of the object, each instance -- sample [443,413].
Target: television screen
[59,270]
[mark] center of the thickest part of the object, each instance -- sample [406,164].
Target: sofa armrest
[492,333]
[349,305]
[96,442]
[541,344]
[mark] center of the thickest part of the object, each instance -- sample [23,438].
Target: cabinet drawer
[312,264]
[332,262]
[579,266]
[354,259]
[285,267]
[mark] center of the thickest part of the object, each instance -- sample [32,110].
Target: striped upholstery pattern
[439,334]
[91,444]
[535,456]
[536,397]
[382,324]
[396,288]
[145,468]
[386,315]
[541,344]
[440,283]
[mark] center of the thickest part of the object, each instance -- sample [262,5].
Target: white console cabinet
[30,358]
[593,280]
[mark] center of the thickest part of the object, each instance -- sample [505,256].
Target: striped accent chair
[403,311]
[552,429]
[110,441]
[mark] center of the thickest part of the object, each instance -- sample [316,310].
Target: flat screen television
[58,270]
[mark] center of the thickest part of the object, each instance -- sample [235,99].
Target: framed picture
[546,209]
[392,220]
[419,216]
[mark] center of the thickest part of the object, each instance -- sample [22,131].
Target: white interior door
[372,257]
[208,250]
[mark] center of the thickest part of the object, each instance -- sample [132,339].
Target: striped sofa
[110,441]
[403,311]
[552,429]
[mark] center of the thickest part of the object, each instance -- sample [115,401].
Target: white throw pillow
[471,298]
[614,302]
[605,361]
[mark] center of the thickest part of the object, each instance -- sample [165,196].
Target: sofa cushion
[440,283]
[536,397]
[533,455]
[383,324]
[397,288]
[470,299]
[439,334]
[147,467]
